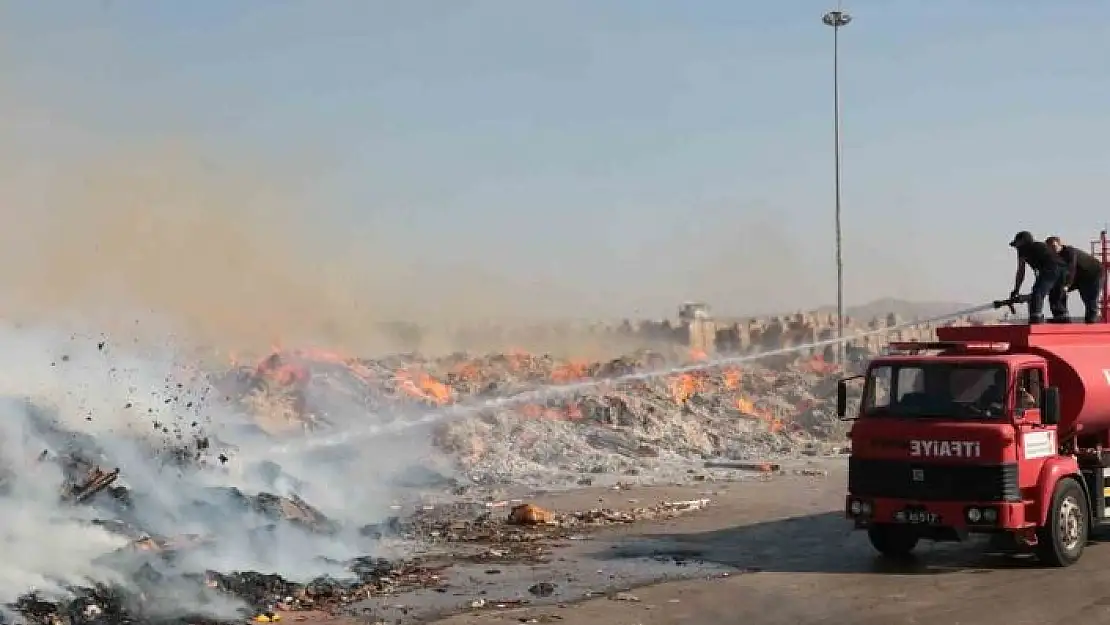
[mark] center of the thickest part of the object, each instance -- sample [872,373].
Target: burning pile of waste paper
[138,488]
[511,416]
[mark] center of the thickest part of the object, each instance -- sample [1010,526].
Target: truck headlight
[974,515]
[865,508]
[990,515]
[855,507]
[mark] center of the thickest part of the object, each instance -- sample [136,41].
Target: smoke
[215,252]
[71,401]
[239,250]
[173,256]
[228,253]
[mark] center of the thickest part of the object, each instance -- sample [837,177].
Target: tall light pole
[838,19]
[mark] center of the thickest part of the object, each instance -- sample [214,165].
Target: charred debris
[486,532]
[147,561]
[288,394]
[147,565]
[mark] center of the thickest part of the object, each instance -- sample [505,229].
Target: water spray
[562,390]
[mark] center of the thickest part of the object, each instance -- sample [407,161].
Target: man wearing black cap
[1047,264]
[1083,273]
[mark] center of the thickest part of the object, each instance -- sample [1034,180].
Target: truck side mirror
[1050,411]
[842,397]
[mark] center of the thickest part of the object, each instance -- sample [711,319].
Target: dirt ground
[765,553]
[795,560]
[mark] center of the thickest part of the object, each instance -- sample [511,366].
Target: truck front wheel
[893,541]
[1064,536]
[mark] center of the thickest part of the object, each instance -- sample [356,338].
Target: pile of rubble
[264,596]
[146,567]
[147,571]
[515,416]
[133,494]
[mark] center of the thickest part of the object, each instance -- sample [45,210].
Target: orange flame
[291,367]
[421,385]
[321,355]
[732,379]
[288,367]
[570,372]
[746,406]
[684,386]
[275,368]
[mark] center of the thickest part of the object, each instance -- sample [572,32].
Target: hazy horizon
[264,167]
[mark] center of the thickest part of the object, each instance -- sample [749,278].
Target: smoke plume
[191,470]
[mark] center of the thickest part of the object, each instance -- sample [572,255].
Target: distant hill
[903,308]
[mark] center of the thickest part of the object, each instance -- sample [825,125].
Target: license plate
[917,516]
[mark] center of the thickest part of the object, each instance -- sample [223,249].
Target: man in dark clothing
[1083,273]
[1048,266]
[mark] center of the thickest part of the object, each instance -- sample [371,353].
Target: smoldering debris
[154,583]
[261,596]
[153,590]
[97,481]
[118,506]
[617,427]
[140,487]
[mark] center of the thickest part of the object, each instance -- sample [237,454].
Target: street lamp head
[836,19]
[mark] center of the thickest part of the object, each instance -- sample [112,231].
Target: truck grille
[894,479]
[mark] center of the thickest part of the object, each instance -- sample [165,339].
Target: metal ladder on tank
[1100,249]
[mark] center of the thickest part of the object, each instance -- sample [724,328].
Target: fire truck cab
[996,429]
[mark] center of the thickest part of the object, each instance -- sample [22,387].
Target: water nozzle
[1010,301]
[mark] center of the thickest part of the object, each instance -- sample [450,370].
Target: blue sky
[632,152]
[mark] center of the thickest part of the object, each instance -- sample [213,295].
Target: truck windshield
[971,391]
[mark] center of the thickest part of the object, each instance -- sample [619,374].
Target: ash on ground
[140,489]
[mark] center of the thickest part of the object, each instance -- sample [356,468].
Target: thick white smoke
[70,396]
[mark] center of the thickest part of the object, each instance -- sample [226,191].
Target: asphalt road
[795,560]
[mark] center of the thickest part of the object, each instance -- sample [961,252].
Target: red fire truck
[997,429]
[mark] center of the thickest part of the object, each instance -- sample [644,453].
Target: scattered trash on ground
[193,532]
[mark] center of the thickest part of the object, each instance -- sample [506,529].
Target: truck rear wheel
[1064,536]
[893,541]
